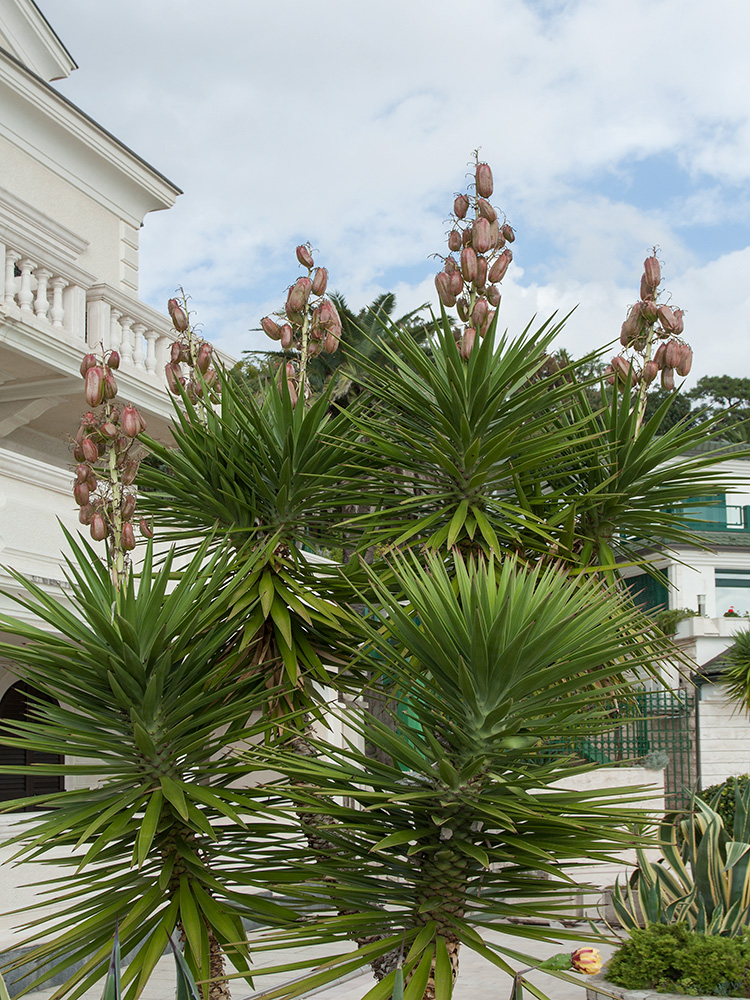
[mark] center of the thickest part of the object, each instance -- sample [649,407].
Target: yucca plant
[703,879]
[141,689]
[470,822]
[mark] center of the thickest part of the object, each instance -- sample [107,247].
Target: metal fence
[655,728]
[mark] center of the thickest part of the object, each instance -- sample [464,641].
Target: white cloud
[352,126]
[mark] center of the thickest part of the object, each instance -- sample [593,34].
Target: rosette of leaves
[703,880]
[140,692]
[468,822]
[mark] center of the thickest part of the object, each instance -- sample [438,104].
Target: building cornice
[24,227]
[28,34]
[54,131]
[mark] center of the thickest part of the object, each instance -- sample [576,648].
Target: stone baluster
[2,273]
[41,302]
[115,330]
[126,343]
[57,309]
[151,338]
[138,353]
[25,295]
[10,276]
[74,303]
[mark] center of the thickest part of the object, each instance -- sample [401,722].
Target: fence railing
[653,728]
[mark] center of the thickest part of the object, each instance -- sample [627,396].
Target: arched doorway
[15,705]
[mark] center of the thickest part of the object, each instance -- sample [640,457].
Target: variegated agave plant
[703,879]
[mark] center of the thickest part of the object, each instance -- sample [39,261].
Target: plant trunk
[453,946]
[218,988]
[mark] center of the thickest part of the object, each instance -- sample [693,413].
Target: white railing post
[41,303]
[151,336]
[138,353]
[57,310]
[126,343]
[98,332]
[25,296]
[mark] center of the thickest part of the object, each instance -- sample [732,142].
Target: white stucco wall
[724,736]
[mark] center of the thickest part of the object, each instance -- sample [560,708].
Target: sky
[610,127]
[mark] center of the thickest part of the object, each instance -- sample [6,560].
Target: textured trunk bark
[453,946]
[218,988]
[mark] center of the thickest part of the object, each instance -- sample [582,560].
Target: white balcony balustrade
[74,309]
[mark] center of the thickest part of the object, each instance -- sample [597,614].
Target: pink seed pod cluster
[478,259]
[307,316]
[190,352]
[104,451]
[652,332]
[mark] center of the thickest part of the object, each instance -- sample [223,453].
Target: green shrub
[674,959]
[721,798]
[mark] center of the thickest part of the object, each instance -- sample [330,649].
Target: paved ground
[478,980]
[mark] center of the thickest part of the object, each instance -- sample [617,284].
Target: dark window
[15,705]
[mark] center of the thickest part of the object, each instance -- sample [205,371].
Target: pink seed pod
[210,378]
[450,265]
[193,391]
[331,343]
[113,360]
[127,537]
[443,285]
[81,493]
[177,353]
[174,377]
[146,530]
[110,386]
[298,296]
[78,455]
[462,305]
[672,353]
[83,472]
[131,422]
[498,240]
[461,206]
[508,233]
[98,527]
[86,513]
[89,361]
[90,450]
[483,176]
[454,240]
[287,337]
[320,281]
[650,371]
[609,375]
[659,356]
[679,324]
[479,313]
[468,263]
[481,278]
[493,295]
[487,322]
[480,236]
[466,235]
[178,315]
[456,282]
[621,367]
[686,361]
[94,388]
[667,379]
[486,210]
[647,292]
[466,344]
[203,358]
[109,430]
[270,327]
[501,265]
[652,272]
[304,256]
[129,471]
[128,506]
